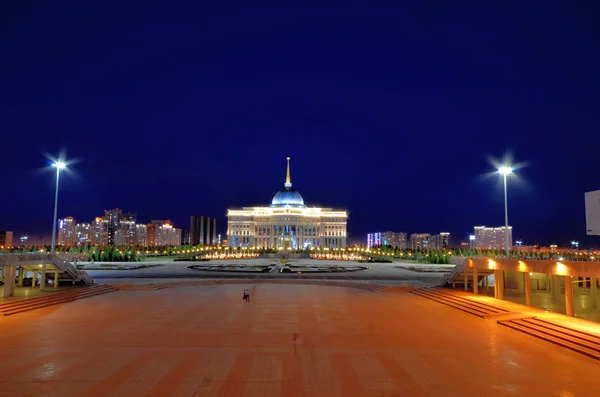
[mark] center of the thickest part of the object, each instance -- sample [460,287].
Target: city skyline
[393,116]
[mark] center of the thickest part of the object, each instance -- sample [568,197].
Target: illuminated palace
[286,224]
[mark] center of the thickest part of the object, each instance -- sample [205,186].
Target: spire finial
[288,179]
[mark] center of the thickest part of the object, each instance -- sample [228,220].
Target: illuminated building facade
[141,235]
[67,233]
[374,240]
[492,237]
[420,241]
[125,234]
[99,231]
[393,239]
[161,232]
[287,223]
[439,241]
[84,234]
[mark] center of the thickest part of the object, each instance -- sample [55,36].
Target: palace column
[594,292]
[527,282]
[569,308]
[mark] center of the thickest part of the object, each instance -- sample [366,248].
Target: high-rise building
[67,232]
[492,237]
[203,230]
[6,239]
[112,217]
[402,240]
[419,241]
[388,239]
[592,213]
[185,236]
[374,239]
[125,234]
[393,239]
[439,241]
[141,235]
[99,232]
[84,234]
[162,232]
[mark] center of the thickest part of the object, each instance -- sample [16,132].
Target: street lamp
[504,170]
[59,165]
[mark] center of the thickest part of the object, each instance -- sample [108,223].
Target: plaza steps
[578,341]
[24,305]
[466,305]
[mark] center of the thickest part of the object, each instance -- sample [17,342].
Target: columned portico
[43,278]
[569,287]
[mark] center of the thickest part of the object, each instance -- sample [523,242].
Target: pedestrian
[245,296]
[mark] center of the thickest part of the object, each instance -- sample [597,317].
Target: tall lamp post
[59,165]
[504,170]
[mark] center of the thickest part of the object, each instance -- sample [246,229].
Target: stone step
[465,307]
[555,334]
[58,298]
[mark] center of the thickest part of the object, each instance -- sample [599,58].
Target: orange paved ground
[205,341]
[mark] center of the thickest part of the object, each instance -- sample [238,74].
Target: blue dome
[287,197]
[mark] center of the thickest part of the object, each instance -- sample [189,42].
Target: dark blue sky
[388,112]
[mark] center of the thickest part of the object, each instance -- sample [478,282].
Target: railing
[61,261]
[38,256]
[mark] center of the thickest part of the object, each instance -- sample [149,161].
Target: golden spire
[288,179]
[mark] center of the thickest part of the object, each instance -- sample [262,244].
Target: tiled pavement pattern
[173,284]
[203,340]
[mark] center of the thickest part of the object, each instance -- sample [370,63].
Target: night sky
[391,113]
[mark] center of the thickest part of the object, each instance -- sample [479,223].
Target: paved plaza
[205,341]
[389,272]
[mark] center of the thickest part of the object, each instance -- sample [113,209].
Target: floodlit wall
[592,213]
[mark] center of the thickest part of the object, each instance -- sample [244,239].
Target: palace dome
[288,197]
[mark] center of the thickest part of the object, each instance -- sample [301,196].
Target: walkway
[205,341]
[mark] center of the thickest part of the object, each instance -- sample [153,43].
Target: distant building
[472,241]
[112,218]
[84,234]
[6,239]
[141,235]
[203,230]
[125,234]
[162,232]
[185,236]
[99,232]
[388,239]
[492,237]
[67,232]
[374,239]
[439,241]
[419,241]
[592,213]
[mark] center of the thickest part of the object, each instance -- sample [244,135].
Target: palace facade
[287,223]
